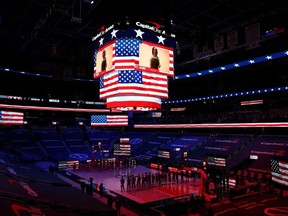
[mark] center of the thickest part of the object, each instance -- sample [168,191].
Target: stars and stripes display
[130,88]
[122,149]
[232,182]
[216,161]
[132,84]
[279,171]
[11,118]
[163,154]
[253,102]
[126,53]
[95,72]
[109,120]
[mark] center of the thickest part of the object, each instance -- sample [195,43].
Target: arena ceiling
[30,29]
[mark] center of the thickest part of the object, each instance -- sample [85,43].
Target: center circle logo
[136,141]
[78,156]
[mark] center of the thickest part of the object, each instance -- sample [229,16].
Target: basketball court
[110,177]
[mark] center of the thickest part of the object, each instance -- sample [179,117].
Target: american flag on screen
[109,120]
[11,118]
[126,53]
[95,61]
[131,82]
[279,171]
[128,88]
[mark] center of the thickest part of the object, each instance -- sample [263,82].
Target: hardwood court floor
[110,178]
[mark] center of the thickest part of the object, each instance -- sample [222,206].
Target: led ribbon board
[133,65]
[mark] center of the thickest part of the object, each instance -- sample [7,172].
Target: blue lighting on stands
[235,65]
[42,75]
[20,98]
[236,94]
[183,76]
[25,73]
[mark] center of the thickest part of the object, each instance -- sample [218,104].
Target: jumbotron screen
[133,65]
[115,55]
[141,46]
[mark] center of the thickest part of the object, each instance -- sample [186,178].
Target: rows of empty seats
[223,146]
[69,143]
[30,187]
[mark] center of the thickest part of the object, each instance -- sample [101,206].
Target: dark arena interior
[201,130]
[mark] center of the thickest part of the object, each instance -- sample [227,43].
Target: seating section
[137,140]
[265,147]
[46,134]
[222,146]
[20,135]
[72,143]
[106,138]
[30,150]
[3,136]
[225,146]
[150,147]
[74,134]
[185,142]
[74,139]
[53,144]
[25,144]
[30,187]
[256,155]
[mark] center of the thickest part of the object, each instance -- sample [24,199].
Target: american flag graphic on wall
[11,118]
[109,120]
[122,149]
[279,170]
